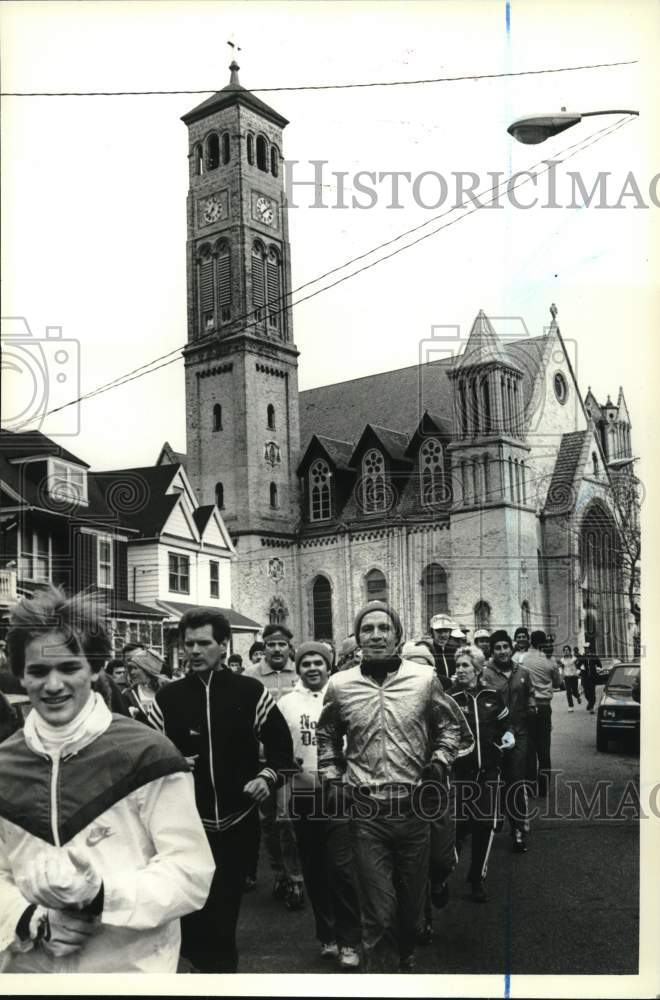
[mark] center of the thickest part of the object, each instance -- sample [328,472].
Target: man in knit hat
[399,708]
[324,844]
[515,685]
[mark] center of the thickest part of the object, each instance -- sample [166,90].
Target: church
[479,485]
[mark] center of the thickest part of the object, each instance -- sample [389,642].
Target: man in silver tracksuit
[399,729]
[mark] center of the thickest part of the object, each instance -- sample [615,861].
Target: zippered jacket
[487,716]
[221,721]
[124,795]
[392,729]
[517,690]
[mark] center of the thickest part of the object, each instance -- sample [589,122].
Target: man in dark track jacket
[217,719]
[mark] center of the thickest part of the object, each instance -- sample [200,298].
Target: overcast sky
[94,188]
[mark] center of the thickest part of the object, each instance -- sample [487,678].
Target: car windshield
[624,677]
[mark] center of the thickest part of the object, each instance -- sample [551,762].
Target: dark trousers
[513,789]
[538,748]
[476,817]
[326,855]
[589,688]
[208,936]
[572,690]
[392,864]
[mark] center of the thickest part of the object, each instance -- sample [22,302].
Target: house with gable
[180,554]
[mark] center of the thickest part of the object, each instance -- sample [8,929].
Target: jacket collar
[97,722]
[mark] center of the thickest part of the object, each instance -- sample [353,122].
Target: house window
[434,591]
[36,557]
[212,152]
[226,149]
[322,608]
[373,482]
[270,417]
[319,491]
[214,568]
[67,482]
[179,573]
[262,153]
[273,496]
[482,614]
[104,561]
[430,462]
[219,496]
[376,585]
[217,417]
[250,149]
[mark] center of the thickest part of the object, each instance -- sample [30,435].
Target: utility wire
[140,372]
[320,86]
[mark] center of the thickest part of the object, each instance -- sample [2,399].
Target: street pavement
[568,906]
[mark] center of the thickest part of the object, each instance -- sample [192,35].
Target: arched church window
[212,152]
[482,614]
[594,461]
[262,153]
[206,290]
[376,586]
[432,472]
[319,491]
[217,417]
[250,149]
[274,160]
[273,288]
[322,608]
[226,148]
[525,615]
[486,468]
[258,280]
[273,496]
[219,496]
[198,160]
[224,282]
[434,592]
[270,417]
[373,482]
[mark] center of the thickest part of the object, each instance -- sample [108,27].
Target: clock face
[265,211]
[212,209]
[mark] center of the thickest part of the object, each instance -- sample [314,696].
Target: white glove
[61,881]
[508,740]
[68,932]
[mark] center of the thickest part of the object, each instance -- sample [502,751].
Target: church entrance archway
[601,583]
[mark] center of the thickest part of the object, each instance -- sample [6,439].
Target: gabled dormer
[383,467]
[432,463]
[325,477]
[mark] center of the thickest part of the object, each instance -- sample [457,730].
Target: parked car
[619,707]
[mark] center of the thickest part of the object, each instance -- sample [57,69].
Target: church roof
[561,494]
[339,451]
[233,93]
[397,399]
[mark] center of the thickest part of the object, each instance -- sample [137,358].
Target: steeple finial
[553,312]
[233,66]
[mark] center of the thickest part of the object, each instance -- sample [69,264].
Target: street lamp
[537,128]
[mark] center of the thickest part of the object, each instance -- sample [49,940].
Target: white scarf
[92,720]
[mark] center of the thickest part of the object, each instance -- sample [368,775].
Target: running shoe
[349,958]
[329,949]
[295,899]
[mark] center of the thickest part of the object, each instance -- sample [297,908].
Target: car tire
[602,741]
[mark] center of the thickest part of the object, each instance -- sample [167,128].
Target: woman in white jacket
[101,847]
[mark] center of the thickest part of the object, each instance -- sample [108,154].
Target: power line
[140,371]
[319,86]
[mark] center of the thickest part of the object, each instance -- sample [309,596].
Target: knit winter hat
[418,650]
[501,635]
[314,647]
[378,606]
[147,660]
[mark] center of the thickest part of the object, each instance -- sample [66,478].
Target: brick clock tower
[242,424]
